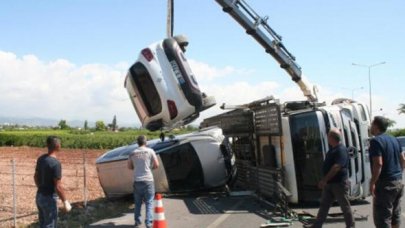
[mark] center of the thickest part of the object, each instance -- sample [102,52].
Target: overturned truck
[280,148]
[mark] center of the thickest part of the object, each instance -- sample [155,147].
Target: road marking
[223,217]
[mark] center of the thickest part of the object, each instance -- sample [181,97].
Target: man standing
[386,186]
[48,179]
[334,184]
[142,161]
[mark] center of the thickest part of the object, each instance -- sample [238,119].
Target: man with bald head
[335,184]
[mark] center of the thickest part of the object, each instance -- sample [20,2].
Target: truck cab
[281,147]
[305,139]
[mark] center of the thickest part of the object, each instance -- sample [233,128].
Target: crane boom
[258,28]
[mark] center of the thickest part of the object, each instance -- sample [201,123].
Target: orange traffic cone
[159,220]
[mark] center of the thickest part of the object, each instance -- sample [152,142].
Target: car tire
[182,41]
[208,102]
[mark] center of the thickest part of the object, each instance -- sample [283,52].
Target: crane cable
[170,18]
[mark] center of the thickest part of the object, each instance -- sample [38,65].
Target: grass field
[77,139]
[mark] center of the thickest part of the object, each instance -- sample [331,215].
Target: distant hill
[36,121]
[44,122]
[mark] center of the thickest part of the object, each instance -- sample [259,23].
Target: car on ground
[191,162]
[162,87]
[401,140]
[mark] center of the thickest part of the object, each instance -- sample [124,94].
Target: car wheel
[155,125]
[182,41]
[208,102]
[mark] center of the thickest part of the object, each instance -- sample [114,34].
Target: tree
[100,126]
[401,109]
[191,128]
[63,125]
[85,125]
[391,122]
[114,124]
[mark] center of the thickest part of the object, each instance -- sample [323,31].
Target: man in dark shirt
[334,184]
[48,176]
[387,162]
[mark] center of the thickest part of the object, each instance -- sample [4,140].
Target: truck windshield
[307,151]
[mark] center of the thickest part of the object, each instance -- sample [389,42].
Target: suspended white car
[162,87]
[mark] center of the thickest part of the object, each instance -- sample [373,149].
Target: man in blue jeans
[47,177]
[387,162]
[142,161]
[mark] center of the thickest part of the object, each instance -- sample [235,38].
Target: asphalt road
[243,211]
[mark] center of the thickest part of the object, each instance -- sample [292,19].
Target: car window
[118,152]
[162,145]
[362,112]
[143,81]
[183,168]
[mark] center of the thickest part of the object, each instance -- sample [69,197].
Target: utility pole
[369,81]
[170,18]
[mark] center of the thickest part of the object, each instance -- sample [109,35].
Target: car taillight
[172,109]
[147,53]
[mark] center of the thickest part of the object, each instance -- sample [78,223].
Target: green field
[77,138]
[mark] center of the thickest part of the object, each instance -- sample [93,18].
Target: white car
[162,87]
[190,162]
[401,140]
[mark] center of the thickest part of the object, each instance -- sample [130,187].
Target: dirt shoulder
[73,181]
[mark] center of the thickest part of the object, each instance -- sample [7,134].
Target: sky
[68,59]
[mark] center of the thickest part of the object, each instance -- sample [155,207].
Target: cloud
[236,93]
[205,72]
[62,90]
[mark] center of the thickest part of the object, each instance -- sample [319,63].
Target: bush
[397,132]
[76,138]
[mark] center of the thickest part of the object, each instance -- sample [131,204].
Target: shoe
[149,225]
[138,224]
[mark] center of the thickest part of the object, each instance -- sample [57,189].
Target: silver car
[189,162]
[401,140]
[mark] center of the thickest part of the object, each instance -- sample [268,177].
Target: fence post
[14,194]
[85,178]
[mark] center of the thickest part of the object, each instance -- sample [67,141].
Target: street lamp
[369,80]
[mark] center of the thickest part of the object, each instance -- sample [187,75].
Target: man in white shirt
[142,161]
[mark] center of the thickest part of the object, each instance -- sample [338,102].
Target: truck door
[349,141]
[363,131]
[308,136]
[356,152]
